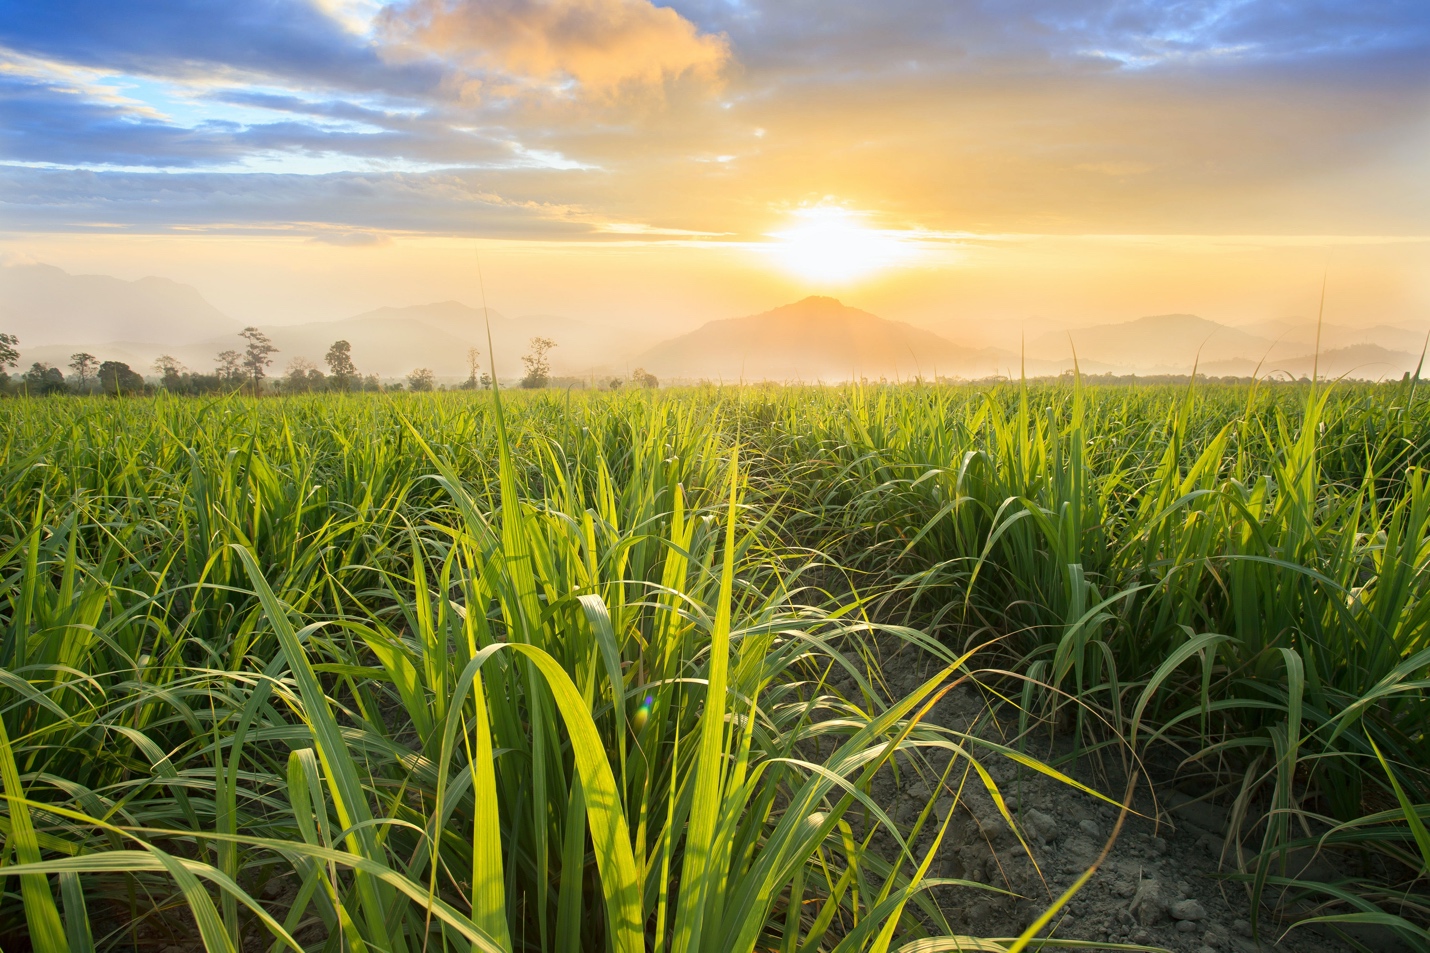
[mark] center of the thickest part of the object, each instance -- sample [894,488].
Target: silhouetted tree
[420,379]
[43,380]
[644,378]
[171,372]
[9,351]
[117,378]
[258,355]
[230,366]
[303,375]
[340,365]
[472,365]
[82,363]
[538,367]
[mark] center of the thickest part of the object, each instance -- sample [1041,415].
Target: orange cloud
[605,46]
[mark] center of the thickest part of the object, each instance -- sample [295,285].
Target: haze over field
[993,176]
[818,338]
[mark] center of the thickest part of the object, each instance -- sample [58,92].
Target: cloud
[48,122]
[295,39]
[335,208]
[603,46]
[43,121]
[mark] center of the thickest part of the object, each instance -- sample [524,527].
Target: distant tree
[614,383]
[43,380]
[485,381]
[340,365]
[643,378]
[538,367]
[257,355]
[9,351]
[230,366]
[117,378]
[82,364]
[420,379]
[171,372]
[302,375]
[472,365]
[371,383]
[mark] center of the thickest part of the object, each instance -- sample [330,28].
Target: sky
[971,166]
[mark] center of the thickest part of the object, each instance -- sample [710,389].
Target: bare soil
[1163,883]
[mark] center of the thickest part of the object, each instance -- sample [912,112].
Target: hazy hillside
[1365,361]
[43,305]
[387,341]
[1164,340]
[1302,335]
[817,339]
[1171,343]
[395,340]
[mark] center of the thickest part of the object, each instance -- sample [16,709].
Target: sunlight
[836,246]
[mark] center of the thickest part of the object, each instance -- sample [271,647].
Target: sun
[830,245]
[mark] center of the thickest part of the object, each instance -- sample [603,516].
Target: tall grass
[358,674]
[1242,573]
[571,672]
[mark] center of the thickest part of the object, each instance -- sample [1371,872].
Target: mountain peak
[815,338]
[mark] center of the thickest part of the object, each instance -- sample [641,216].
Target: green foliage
[551,672]
[447,672]
[117,378]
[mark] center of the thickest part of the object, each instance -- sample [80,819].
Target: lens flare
[642,714]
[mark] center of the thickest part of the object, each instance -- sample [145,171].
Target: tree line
[247,369]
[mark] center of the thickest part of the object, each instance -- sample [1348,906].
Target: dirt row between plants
[1162,884]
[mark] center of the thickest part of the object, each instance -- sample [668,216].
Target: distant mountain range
[1174,343]
[56,314]
[43,304]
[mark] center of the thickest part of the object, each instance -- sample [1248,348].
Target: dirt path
[1161,884]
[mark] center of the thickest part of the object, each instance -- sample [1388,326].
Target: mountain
[1171,343]
[45,305]
[817,339]
[1302,335]
[1361,361]
[1155,342]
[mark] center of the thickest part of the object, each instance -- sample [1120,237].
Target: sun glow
[835,246]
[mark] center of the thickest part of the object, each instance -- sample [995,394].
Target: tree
[340,364]
[171,372]
[82,363]
[117,378]
[614,383]
[302,375]
[42,379]
[538,368]
[230,366]
[258,355]
[472,365]
[9,351]
[420,379]
[644,378]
